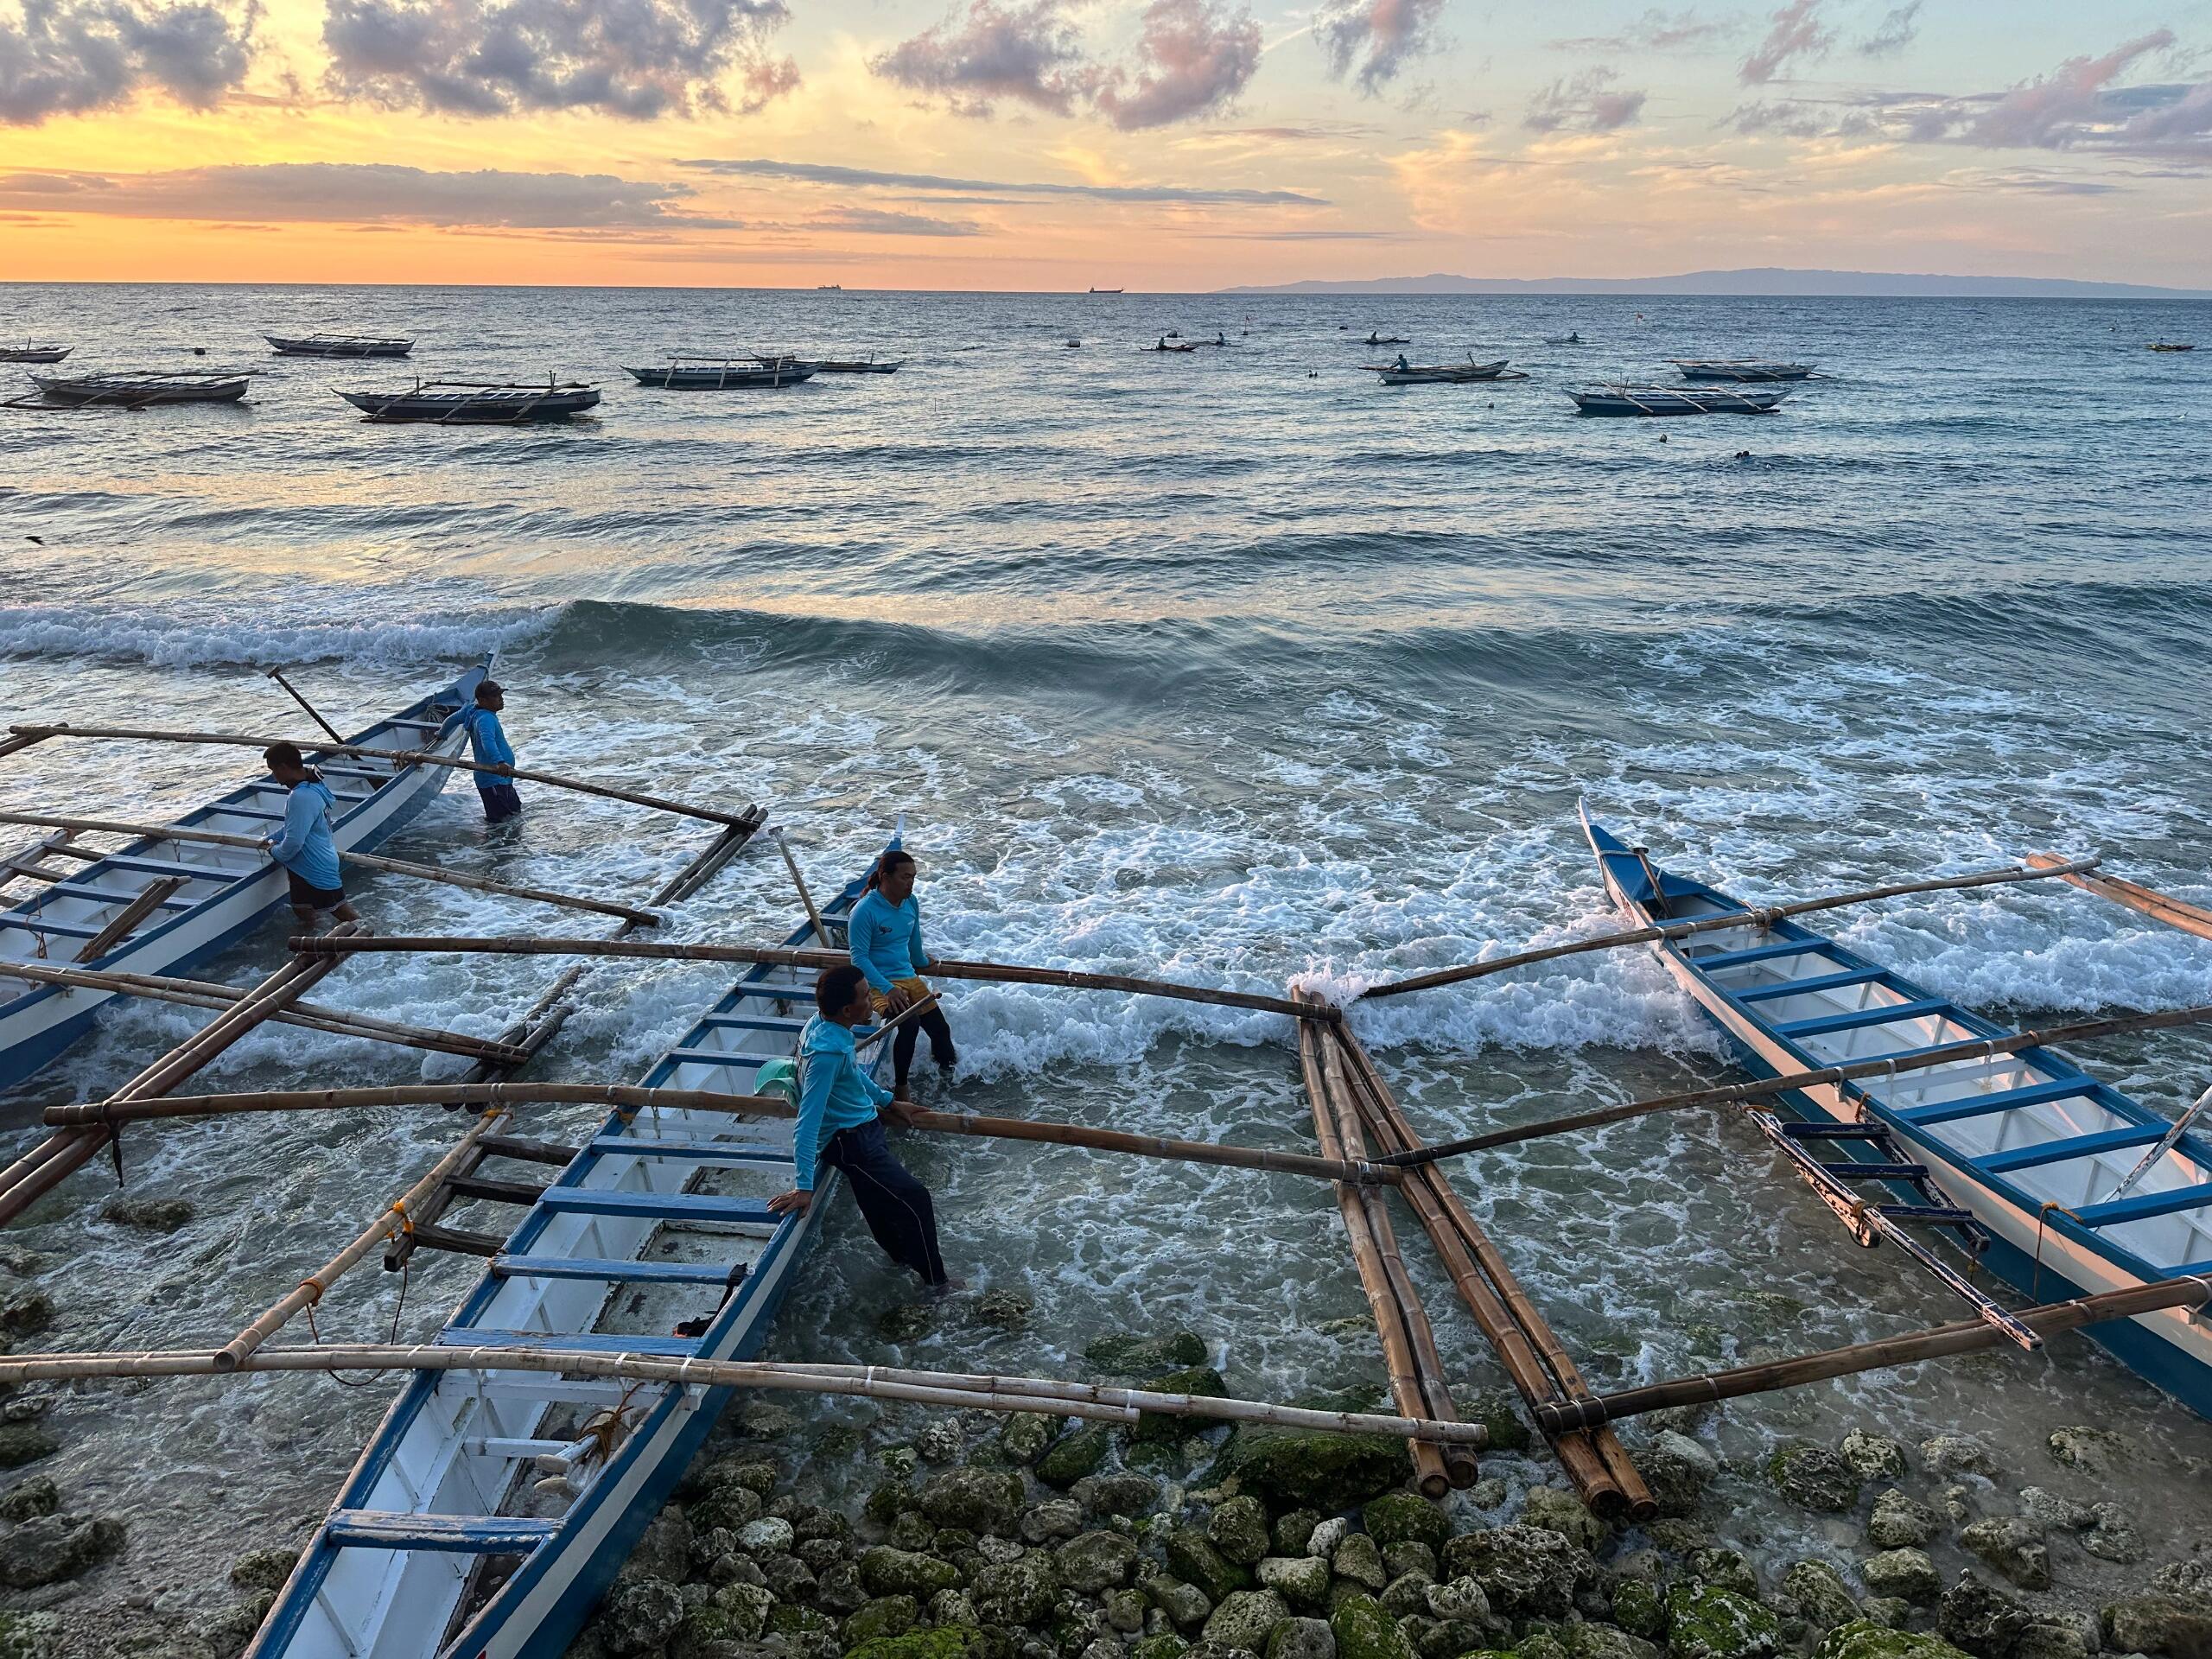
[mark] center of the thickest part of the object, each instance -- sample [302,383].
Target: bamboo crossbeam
[2161,906]
[989,1394]
[805,898]
[626,1096]
[148,899]
[1765,916]
[1979,1048]
[784,956]
[365,860]
[397,758]
[211,993]
[1966,1336]
[1153,1145]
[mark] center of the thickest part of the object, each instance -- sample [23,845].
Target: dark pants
[500,801]
[896,1206]
[910,1033]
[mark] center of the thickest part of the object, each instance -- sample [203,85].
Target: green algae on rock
[1706,1622]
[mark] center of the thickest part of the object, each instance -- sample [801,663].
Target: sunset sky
[1057,144]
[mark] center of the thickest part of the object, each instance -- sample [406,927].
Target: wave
[221,638]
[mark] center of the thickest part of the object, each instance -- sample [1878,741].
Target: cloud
[1795,31]
[641,59]
[823,173]
[1584,104]
[1898,31]
[330,192]
[1193,57]
[2079,107]
[1655,31]
[1381,37]
[880,221]
[1032,55]
[69,57]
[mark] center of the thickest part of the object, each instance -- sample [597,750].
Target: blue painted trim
[718,1057]
[660,1206]
[639,1273]
[1859,1019]
[458,1534]
[565,1341]
[1804,987]
[108,896]
[2151,1204]
[2005,1100]
[751,1022]
[32,922]
[1755,953]
[704,1152]
[2074,1146]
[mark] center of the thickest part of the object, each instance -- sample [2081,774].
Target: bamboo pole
[1966,1336]
[1729,1094]
[399,759]
[1764,917]
[627,1096]
[366,861]
[805,898]
[990,1393]
[313,714]
[2164,907]
[392,1221]
[784,956]
[210,993]
[1150,1146]
[142,904]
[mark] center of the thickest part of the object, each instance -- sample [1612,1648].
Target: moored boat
[1374,338]
[337,346]
[1563,340]
[717,372]
[2172,346]
[437,1543]
[128,390]
[2061,1183]
[853,364]
[211,894]
[1740,369]
[1402,373]
[1677,400]
[29,352]
[477,402]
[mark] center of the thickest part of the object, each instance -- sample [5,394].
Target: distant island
[1765,280]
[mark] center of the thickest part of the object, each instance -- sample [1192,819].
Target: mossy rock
[1364,1630]
[1329,1472]
[1405,1518]
[1499,1413]
[29,1636]
[1640,1608]
[1157,1427]
[1864,1639]
[1706,1622]
[1146,1357]
[1075,1454]
[945,1642]
[884,1616]
[1163,1646]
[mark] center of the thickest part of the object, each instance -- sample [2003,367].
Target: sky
[1052,145]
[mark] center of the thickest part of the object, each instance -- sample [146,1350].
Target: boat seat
[660,1207]
[1859,1019]
[751,1022]
[572,1342]
[261,813]
[2147,1206]
[222,873]
[641,1272]
[464,1534]
[696,1152]
[2072,1145]
[108,896]
[30,923]
[778,993]
[719,1057]
[419,725]
[1759,953]
[1801,987]
[2005,1100]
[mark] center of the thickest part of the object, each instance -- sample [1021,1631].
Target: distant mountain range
[1763,280]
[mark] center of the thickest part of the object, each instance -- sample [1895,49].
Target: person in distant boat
[305,845]
[1402,366]
[885,932]
[840,1113]
[488,739]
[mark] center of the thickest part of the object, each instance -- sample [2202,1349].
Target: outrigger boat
[1563,340]
[710,372]
[2172,346]
[477,402]
[1707,368]
[127,389]
[1677,400]
[337,346]
[2061,1183]
[1422,374]
[29,353]
[438,1545]
[1374,338]
[853,366]
[158,906]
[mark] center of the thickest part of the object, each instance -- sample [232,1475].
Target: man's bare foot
[950,1285]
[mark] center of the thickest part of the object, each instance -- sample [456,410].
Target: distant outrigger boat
[29,352]
[125,389]
[1420,374]
[853,364]
[476,403]
[2062,1184]
[1677,400]
[716,372]
[1702,368]
[2172,346]
[1106,290]
[337,346]
[404,1567]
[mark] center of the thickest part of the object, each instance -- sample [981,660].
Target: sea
[1233,667]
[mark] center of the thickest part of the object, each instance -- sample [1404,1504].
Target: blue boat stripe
[580,1267]
[666,1206]
[705,1152]
[562,1342]
[31,922]
[473,1534]
[719,1057]
[2148,1206]
[2073,1146]
[2004,1100]
[1859,1019]
[1757,953]
[1818,983]
[107,896]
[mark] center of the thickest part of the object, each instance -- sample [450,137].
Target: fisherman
[886,933]
[305,847]
[840,1113]
[489,740]
[1402,366]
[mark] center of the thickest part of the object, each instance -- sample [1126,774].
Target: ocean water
[1230,666]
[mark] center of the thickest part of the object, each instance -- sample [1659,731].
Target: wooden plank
[147,902]
[2160,906]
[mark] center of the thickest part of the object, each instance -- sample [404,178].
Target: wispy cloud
[1794,32]
[70,57]
[821,173]
[1372,41]
[884,221]
[1655,31]
[1588,102]
[1895,33]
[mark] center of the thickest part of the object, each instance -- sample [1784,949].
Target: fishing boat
[721,371]
[2172,346]
[1563,340]
[1173,346]
[2059,1183]
[337,346]
[126,390]
[437,1543]
[1677,400]
[158,906]
[1106,290]
[1708,368]
[477,402]
[30,353]
[1422,374]
[1374,338]
[854,365]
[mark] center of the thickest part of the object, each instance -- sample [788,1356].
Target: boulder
[263,1569]
[1405,1517]
[662,1549]
[1498,1410]
[1191,1556]
[1116,1494]
[769,1535]
[1906,1573]
[1301,1579]
[1294,1530]
[734,1613]
[1819,1589]
[1160,1429]
[1458,1601]
[1409,1557]
[1014,1593]
[885,1616]
[1075,1454]
[36,1496]
[887,1572]
[942,1439]
[22,1443]
[1865,1639]
[975,1500]
[1706,1622]
[2049,1509]
[1295,1469]
[47,1548]
[1024,1436]
[729,1505]
[1815,1478]
[2178,1626]
[2114,1538]
[2013,1548]
[1364,1630]
[1246,1618]
[1238,1528]
[1874,1457]
[2056,1638]
[1954,1454]
[1130,1355]
[1358,1562]
[29,1636]
[1564,1513]
[26,1313]
[944,1642]
[1724,1569]
[1096,1561]
[1184,1603]
[791,1579]
[1525,1571]
[1900,1522]
[1302,1639]
[639,1617]
[153,1214]
[1982,1620]
[1593,1641]
[1323,1540]
[1001,1310]
[1166,1645]
[2092,1451]
[1640,1607]
[1055,1518]
[1677,1470]
[1891,1612]
[838,1589]
[227,1630]
[1406,1595]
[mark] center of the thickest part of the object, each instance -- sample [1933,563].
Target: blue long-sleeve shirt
[489,740]
[886,940]
[835,1093]
[305,845]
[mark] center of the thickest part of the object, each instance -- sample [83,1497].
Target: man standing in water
[489,740]
[885,936]
[305,847]
[841,1112]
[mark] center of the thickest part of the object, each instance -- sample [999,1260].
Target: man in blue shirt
[885,933]
[489,740]
[840,1111]
[305,845]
